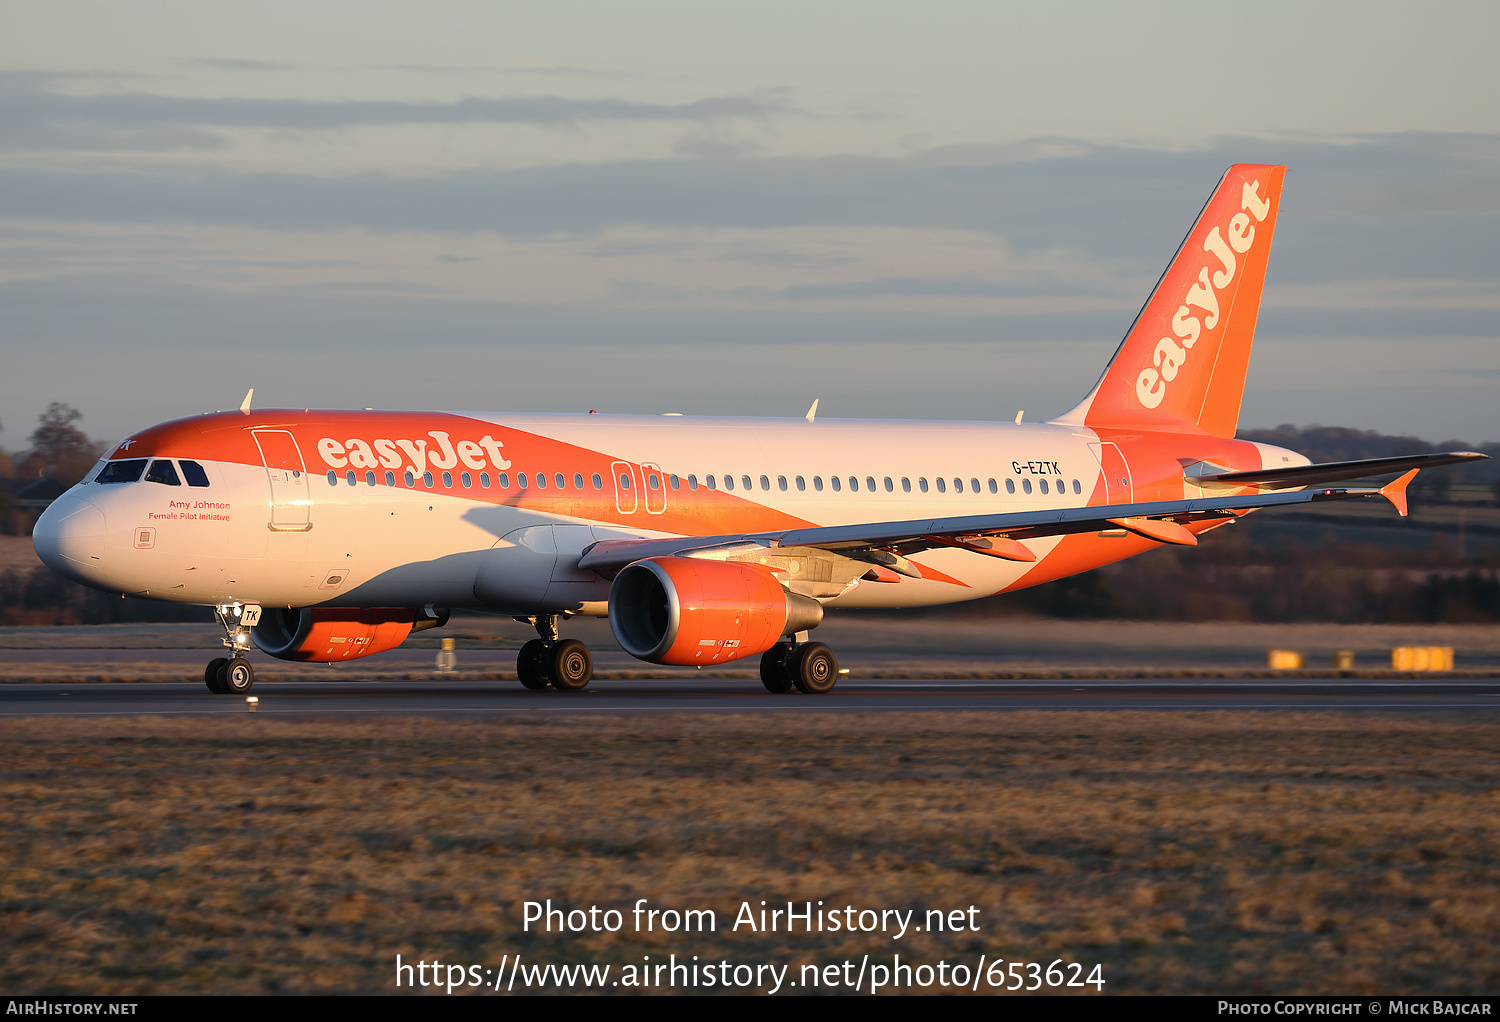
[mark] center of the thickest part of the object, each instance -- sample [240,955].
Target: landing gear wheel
[531,665]
[775,669]
[569,666]
[237,676]
[815,670]
[213,673]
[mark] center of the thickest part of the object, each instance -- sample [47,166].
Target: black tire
[237,676]
[775,668]
[531,665]
[815,670]
[212,675]
[569,666]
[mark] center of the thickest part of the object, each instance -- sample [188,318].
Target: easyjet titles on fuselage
[357,453]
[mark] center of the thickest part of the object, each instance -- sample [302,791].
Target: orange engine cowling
[684,610]
[338,633]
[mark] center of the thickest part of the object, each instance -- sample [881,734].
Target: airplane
[331,535]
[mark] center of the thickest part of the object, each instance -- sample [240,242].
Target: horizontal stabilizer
[1332,471]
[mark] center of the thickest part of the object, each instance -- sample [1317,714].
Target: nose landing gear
[547,661]
[233,675]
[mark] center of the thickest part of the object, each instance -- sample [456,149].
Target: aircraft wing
[1331,471]
[998,535]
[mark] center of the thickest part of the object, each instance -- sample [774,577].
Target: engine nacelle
[687,611]
[328,635]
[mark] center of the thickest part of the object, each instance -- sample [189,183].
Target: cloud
[33,116]
[923,287]
[1400,207]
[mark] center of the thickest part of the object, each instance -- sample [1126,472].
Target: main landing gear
[809,667]
[563,664]
[233,675]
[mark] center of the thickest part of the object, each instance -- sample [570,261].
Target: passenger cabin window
[1076,487]
[870,483]
[1026,485]
[942,486]
[427,479]
[122,471]
[164,472]
[781,483]
[710,481]
[350,477]
[598,481]
[503,480]
[333,478]
[890,487]
[746,481]
[1010,486]
[1042,483]
[624,480]
[467,480]
[905,484]
[411,480]
[958,486]
[993,487]
[541,480]
[729,482]
[922,483]
[674,481]
[653,480]
[369,478]
[692,482]
[390,478]
[974,485]
[577,480]
[484,480]
[818,483]
[853,484]
[448,479]
[801,484]
[193,473]
[560,480]
[836,484]
[765,483]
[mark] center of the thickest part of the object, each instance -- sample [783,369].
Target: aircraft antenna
[813,411]
[245,404]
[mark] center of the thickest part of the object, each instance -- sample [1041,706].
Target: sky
[936,210]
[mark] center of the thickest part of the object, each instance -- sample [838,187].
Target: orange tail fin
[1182,365]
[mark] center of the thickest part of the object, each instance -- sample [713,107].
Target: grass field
[1217,852]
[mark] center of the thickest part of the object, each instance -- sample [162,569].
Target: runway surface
[480,699]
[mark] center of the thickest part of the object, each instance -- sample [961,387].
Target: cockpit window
[163,471]
[193,473]
[122,471]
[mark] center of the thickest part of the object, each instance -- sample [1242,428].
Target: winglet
[813,411]
[245,404]
[1395,491]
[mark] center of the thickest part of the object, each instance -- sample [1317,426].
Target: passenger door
[1116,473]
[291,500]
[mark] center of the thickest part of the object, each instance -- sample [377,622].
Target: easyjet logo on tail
[1200,308]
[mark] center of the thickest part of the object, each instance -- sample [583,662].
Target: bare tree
[58,448]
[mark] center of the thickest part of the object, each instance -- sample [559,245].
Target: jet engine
[688,611]
[326,635]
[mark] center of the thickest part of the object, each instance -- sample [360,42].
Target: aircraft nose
[69,538]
